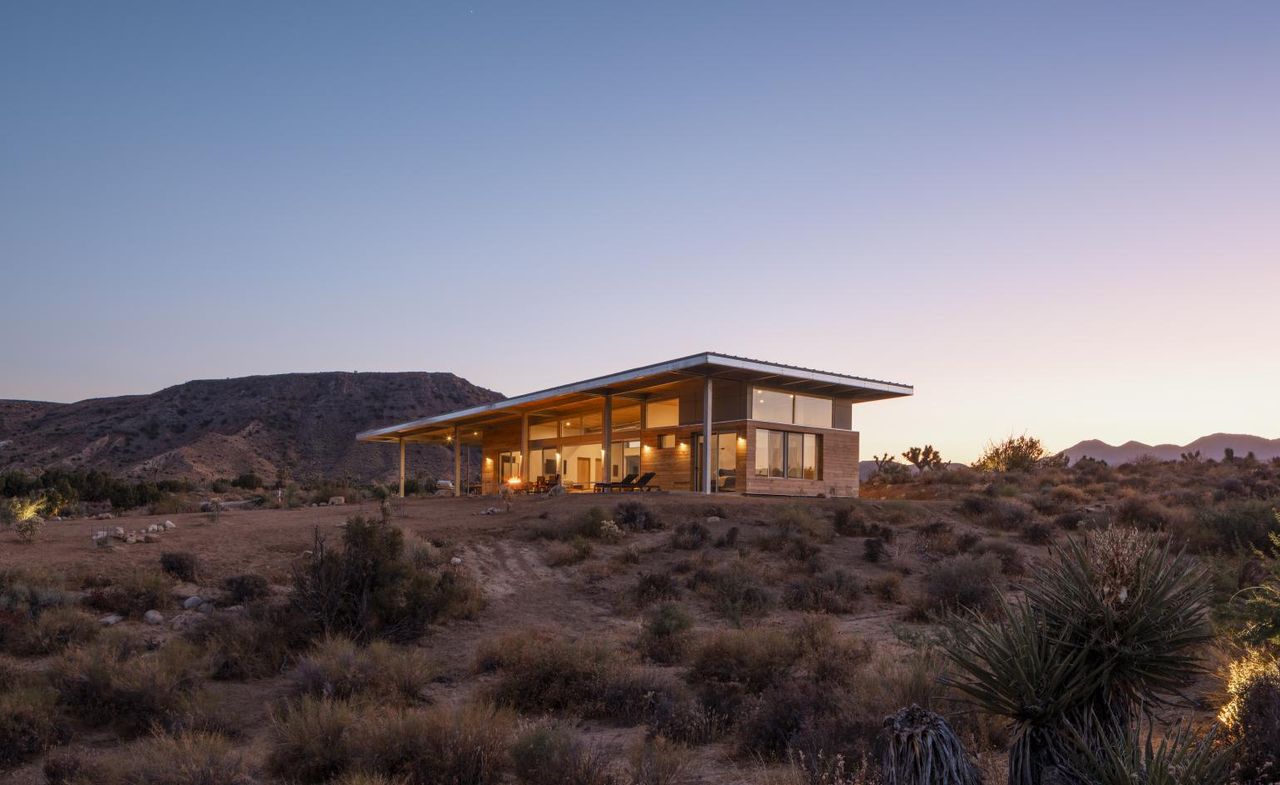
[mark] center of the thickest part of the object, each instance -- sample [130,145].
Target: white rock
[456,561]
[713,519]
[335,501]
[111,619]
[192,602]
[153,617]
[118,532]
[170,525]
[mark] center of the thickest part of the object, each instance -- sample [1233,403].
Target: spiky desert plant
[1010,665]
[918,747]
[1136,613]
[1105,754]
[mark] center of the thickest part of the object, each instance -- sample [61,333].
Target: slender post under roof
[457,460]
[606,428]
[524,449]
[401,468]
[706,435]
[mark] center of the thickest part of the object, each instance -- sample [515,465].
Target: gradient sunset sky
[1054,218]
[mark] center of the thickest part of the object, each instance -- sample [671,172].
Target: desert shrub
[1070,521]
[833,591]
[252,645]
[937,539]
[873,549]
[1017,453]
[246,588]
[310,740]
[1068,495]
[848,521]
[1143,512]
[729,539]
[1038,534]
[133,593]
[736,593]
[194,758]
[550,754]
[635,516]
[795,519]
[887,588]
[54,630]
[182,565]
[440,744]
[338,668]
[588,525]
[29,724]
[964,581]
[1012,562]
[248,481]
[690,536]
[665,635]
[654,587]
[658,761]
[1258,728]
[370,588]
[542,673]
[565,554]
[1009,515]
[1238,525]
[24,597]
[111,683]
[754,658]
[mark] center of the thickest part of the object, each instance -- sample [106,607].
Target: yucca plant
[1135,612]
[1105,754]
[1111,624]
[918,747]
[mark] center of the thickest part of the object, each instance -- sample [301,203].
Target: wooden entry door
[584,470]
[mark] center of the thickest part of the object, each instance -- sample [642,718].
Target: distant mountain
[302,423]
[1209,446]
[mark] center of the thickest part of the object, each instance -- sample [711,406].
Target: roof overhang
[640,382]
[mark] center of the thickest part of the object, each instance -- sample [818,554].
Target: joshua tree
[1191,457]
[923,458]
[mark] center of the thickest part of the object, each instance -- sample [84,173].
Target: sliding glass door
[724,462]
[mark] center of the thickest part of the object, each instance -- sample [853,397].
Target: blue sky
[1058,218]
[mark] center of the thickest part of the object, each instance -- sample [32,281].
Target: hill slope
[1209,446]
[300,423]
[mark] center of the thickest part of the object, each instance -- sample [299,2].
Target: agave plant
[1105,754]
[918,747]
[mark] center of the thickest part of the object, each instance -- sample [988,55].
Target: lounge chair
[642,484]
[607,487]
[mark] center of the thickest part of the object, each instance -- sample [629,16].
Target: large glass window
[814,412]
[774,406]
[787,454]
[662,414]
[543,430]
[508,466]
[624,459]
[626,418]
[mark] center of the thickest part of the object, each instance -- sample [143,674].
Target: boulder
[192,602]
[103,516]
[206,608]
[110,620]
[118,532]
[130,538]
[170,525]
[335,501]
[185,621]
[153,617]
[151,538]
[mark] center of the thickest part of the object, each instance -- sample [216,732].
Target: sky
[1057,218]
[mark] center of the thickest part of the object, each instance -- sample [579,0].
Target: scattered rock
[151,538]
[713,519]
[234,609]
[153,617]
[185,621]
[130,538]
[192,602]
[103,516]
[170,525]
[456,561]
[335,501]
[206,608]
[118,533]
[110,620]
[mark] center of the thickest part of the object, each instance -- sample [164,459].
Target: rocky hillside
[301,423]
[1213,446]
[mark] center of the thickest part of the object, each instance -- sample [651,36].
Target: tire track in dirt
[505,567]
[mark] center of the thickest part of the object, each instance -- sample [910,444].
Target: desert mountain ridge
[300,424]
[1213,447]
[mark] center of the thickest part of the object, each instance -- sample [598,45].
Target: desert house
[775,429]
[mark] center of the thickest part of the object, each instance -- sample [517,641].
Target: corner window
[775,406]
[662,414]
[787,454]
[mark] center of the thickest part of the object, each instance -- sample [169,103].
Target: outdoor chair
[605,487]
[642,484]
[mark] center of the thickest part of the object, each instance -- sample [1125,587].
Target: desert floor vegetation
[666,639]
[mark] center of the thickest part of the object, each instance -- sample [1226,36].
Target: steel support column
[706,435]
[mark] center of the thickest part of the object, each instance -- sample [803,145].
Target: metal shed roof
[713,364]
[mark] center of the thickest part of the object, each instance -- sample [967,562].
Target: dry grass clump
[133,593]
[179,759]
[310,740]
[183,565]
[960,582]
[832,591]
[654,587]
[754,658]
[338,668]
[735,589]
[658,761]
[665,636]
[566,554]
[690,536]
[112,682]
[30,723]
[246,588]
[539,672]
[252,645]
[635,516]
[547,753]
[52,631]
